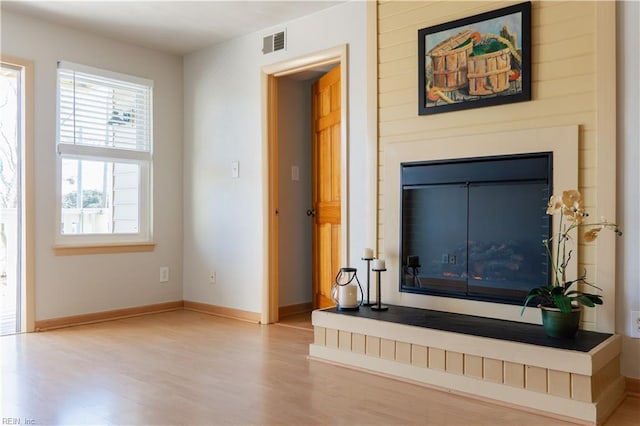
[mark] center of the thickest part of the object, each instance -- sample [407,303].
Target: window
[104,144]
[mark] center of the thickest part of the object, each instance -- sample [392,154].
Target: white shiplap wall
[573,83]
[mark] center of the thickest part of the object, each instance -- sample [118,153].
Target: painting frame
[461,68]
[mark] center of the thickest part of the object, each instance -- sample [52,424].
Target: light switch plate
[164,274]
[235,169]
[295,173]
[634,324]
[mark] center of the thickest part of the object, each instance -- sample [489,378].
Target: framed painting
[478,61]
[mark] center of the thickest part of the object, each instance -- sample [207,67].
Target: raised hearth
[487,358]
[479,326]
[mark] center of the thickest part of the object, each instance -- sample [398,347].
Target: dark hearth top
[512,331]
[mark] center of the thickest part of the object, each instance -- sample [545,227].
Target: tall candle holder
[368,260]
[378,268]
[413,267]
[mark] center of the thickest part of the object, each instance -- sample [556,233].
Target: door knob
[311,213]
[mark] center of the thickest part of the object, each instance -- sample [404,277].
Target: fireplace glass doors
[473,228]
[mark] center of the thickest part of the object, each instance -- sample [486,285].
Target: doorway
[289,211]
[16,260]
[10,198]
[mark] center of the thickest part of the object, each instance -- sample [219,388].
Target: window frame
[123,242]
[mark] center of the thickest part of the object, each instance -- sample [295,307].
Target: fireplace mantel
[561,141]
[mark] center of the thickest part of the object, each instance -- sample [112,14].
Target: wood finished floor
[301,321]
[188,368]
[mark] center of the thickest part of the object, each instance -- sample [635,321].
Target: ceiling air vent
[273,42]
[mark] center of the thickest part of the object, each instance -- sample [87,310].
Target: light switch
[235,169]
[295,173]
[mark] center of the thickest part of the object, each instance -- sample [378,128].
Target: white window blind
[103,109]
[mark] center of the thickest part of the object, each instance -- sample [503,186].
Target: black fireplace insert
[473,228]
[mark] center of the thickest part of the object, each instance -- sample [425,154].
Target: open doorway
[292,264]
[16,196]
[307,194]
[294,190]
[11,100]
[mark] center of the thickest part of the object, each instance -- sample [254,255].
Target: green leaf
[585,301]
[596,299]
[528,299]
[562,302]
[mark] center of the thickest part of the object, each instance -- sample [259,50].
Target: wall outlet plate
[212,277]
[634,324]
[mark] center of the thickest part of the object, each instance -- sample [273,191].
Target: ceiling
[177,27]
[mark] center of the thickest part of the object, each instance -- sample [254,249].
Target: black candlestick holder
[413,267]
[378,306]
[368,302]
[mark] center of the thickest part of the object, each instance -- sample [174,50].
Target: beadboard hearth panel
[583,384]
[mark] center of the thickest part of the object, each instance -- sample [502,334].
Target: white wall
[628,268]
[71,285]
[222,216]
[223,228]
[294,149]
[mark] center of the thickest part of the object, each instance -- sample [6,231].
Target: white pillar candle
[368,253]
[378,264]
[348,296]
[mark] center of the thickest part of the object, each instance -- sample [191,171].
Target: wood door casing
[326,197]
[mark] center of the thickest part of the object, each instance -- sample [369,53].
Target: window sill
[77,250]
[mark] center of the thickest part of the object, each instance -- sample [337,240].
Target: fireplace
[472,228]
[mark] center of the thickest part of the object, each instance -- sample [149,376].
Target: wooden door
[326,160]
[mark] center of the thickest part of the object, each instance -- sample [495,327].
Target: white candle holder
[341,283]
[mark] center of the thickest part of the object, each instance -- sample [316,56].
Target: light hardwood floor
[189,368]
[302,321]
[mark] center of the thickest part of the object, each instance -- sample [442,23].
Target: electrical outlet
[212,277]
[445,258]
[164,274]
[634,324]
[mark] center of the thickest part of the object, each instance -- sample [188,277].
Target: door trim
[28,195]
[269,76]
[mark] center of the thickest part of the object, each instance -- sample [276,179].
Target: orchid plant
[572,217]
